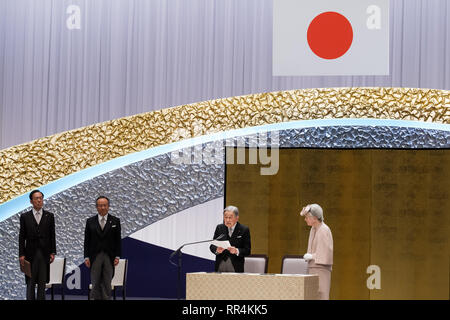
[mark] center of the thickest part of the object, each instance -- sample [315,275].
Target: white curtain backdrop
[133,56]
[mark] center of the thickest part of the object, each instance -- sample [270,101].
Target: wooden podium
[251,286]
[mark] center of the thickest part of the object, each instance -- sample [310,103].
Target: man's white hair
[315,211]
[233,209]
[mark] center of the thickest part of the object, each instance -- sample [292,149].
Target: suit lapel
[107,224]
[106,228]
[44,216]
[236,232]
[32,219]
[98,228]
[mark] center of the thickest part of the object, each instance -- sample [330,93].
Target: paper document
[224,244]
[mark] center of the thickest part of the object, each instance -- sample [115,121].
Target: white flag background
[330,37]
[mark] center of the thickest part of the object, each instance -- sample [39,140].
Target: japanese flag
[330,37]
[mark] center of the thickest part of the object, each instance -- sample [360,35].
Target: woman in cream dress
[320,248]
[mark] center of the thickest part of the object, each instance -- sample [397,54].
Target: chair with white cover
[256,263]
[57,272]
[294,264]
[119,279]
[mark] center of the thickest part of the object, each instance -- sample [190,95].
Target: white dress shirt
[40,215]
[100,219]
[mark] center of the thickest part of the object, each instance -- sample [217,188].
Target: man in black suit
[102,249]
[37,244]
[231,259]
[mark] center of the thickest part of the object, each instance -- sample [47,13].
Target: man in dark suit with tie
[102,249]
[37,244]
[231,259]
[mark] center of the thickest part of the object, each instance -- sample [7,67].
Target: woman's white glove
[307,256]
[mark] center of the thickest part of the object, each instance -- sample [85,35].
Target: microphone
[178,251]
[220,237]
[186,244]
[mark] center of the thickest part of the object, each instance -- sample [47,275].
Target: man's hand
[87,263]
[232,250]
[22,260]
[116,262]
[219,250]
[52,258]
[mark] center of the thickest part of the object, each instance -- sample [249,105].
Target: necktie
[102,224]
[230,232]
[38,217]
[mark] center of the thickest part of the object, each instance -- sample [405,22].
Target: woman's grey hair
[315,211]
[233,209]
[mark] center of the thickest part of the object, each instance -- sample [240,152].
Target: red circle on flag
[330,35]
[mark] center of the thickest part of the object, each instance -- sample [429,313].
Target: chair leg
[62,292]
[114,292]
[53,295]
[89,293]
[123,293]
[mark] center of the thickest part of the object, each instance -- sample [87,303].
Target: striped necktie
[38,217]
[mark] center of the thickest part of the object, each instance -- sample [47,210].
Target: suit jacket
[240,239]
[107,240]
[33,236]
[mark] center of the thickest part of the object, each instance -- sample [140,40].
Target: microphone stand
[179,259]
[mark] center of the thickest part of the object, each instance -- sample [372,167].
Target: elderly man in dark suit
[231,259]
[102,249]
[37,244]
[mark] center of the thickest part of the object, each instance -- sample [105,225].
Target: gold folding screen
[385,207]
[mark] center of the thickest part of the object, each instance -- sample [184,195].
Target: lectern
[251,286]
